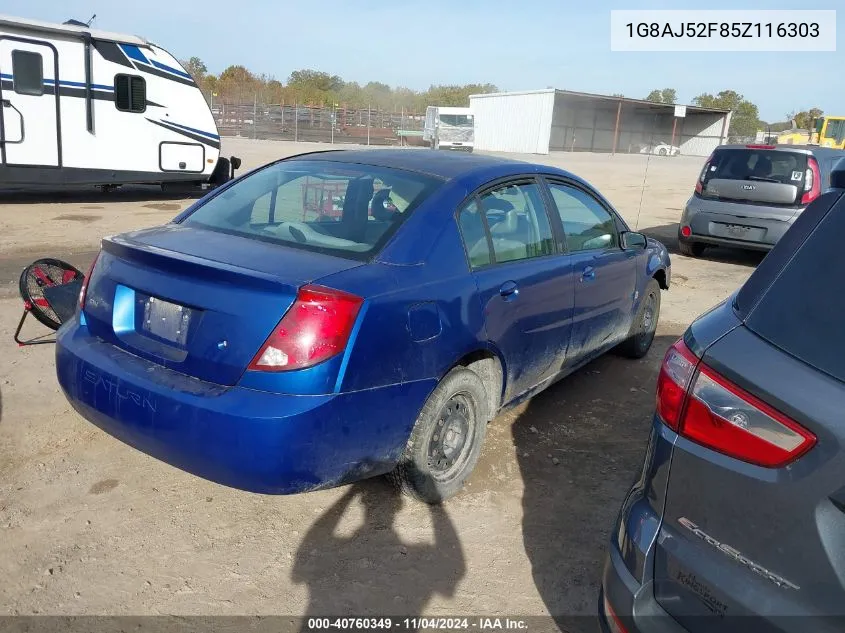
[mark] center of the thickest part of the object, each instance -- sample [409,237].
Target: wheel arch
[488,366]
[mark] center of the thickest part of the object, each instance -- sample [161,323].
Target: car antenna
[645,173]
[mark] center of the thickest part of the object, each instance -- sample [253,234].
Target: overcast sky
[521,45]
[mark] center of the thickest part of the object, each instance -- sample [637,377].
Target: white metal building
[540,121]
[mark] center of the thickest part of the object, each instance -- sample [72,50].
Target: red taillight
[672,382]
[686,231]
[84,290]
[706,408]
[699,184]
[812,181]
[315,328]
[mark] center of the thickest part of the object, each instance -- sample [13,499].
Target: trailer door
[29,103]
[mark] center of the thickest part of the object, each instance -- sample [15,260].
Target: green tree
[745,120]
[667,95]
[804,119]
[196,68]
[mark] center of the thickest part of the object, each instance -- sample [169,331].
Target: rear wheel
[641,335]
[662,151]
[690,249]
[447,438]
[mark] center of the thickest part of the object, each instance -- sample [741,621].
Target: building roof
[608,98]
[69,29]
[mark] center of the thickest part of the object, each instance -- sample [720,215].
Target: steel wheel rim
[649,321]
[450,444]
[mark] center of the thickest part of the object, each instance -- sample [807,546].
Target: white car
[661,149]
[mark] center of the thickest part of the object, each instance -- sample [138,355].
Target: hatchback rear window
[343,209]
[801,312]
[762,165]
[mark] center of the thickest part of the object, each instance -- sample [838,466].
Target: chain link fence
[302,122]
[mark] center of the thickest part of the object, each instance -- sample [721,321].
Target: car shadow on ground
[667,234]
[579,446]
[96,196]
[370,571]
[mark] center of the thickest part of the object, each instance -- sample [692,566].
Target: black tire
[641,334]
[426,470]
[661,152]
[690,249]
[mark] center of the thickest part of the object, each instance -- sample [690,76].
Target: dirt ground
[90,526]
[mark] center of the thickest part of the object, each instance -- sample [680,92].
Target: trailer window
[130,93]
[28,73]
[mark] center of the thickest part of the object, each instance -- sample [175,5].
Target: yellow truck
[829,131]
[826,131]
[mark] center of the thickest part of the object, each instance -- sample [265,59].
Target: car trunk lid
[197,301]
[736,536]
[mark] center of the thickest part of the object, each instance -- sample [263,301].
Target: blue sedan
[345,314]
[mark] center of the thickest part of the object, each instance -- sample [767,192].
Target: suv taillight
[699,184]
[315,328]
[702,406]
[812,181]
[83,292]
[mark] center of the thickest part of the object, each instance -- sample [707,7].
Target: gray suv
[736,521]
[747,196]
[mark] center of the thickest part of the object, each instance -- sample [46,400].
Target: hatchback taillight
[699,184]
[83,292]
[315,328]
[703,406]
[812,181]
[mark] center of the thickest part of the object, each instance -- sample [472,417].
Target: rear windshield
[760,165]
[802,310]
[343,209]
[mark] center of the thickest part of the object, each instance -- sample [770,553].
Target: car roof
[804,149]
[442,164]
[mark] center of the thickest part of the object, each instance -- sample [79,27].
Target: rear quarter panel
[419,320]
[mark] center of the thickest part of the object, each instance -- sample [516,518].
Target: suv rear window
[801,312]
[762,165]
[344,209]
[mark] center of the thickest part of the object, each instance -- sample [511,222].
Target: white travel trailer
[449,128]
[85,107]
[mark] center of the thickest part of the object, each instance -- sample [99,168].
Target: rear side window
[342,209]
[514,223]
[28,73]
[777,166]
[130,93]
[801,312]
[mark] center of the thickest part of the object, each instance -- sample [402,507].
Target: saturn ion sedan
[262,342]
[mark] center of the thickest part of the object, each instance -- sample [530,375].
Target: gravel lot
[90,526]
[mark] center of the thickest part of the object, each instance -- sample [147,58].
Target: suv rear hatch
[754,520]
[196,301]
[760,181]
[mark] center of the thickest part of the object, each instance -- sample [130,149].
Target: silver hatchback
[747,196]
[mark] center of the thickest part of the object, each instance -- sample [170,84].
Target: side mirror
[235,162]
[631,240]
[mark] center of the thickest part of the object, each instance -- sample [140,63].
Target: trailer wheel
[222,172]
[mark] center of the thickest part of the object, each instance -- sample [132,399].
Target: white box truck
[449,128]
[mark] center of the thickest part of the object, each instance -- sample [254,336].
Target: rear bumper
[634,604]
[711,227]
[243,438]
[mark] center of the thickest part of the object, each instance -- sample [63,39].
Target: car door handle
[509,290]
[588,274]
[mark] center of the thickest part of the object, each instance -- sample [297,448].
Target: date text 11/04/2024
[723,29]
[417,624]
